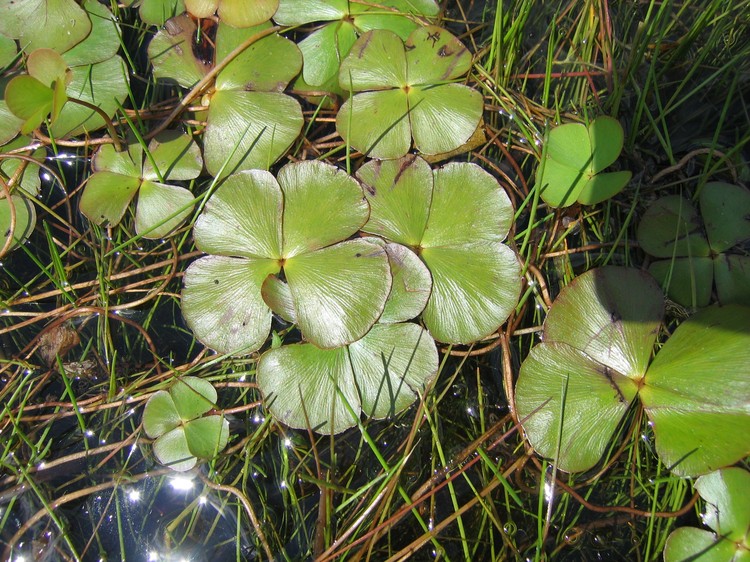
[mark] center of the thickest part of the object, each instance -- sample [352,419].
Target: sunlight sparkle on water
[181,483]
[134,495]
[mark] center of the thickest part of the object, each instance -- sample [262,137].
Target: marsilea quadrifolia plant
[283,245]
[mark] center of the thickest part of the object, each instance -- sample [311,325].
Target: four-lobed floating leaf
[255,227]
[406,92]
[574,388]
[118,176]
[576,156]
[251,123]
[177,421]
[701,252]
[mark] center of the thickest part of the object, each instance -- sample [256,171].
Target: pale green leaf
[400,195]
[106,197]
[249,130]
[474,290]
[293,12]
[304,386]
[559,383]
[612,314]
[25,220]
[171,53]
[698,545]
[340,206]
[278,297]
[55,24]
[434,56]
[732,278]
[29,100]
[202,8]
[157,12]
[244,13]
[411,287]
[443,117]
[393,364]
[339,292]
[376,123]
[376,61]
[606,139]
[242,217]
[603,186]
[222,302]
[29,181]
[323,50]
[727,508]
[697,388]
[161,208]
[267,65]
[468,205]
[102,42]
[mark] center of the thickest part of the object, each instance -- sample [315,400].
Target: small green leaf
[223,305]
[323,49]
[339,291]
[687,281]
[160,414]
[207,436]
[603,186]
[29,100]
[292,12]
[172,450]
[127,162]
[29,181]
[725,209]
[670,227]
[605,138]
[192,397]
[161,208]
[157,12]
[732,277]
[101,43]
[698,545]
[107,196]
[176,155]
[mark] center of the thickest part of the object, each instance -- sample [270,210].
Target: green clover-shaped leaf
[175,419]
[257,226]
[455,219]
[118,176]
[576,155]
[39,24]
[325,47]
[251,123]
[700,247]
[405,91]
[727,513]
[17,220]
[326,389]
[156,12]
